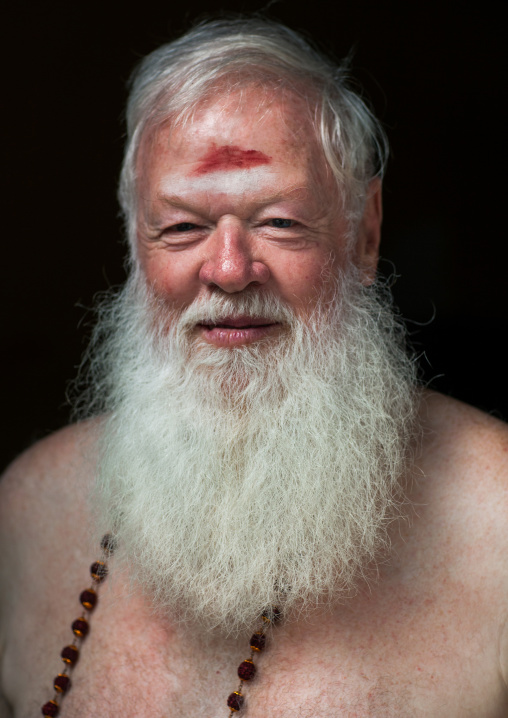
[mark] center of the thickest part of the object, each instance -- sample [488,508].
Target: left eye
[182,227]
[281,223]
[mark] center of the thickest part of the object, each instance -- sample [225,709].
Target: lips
[239,322]
[231,331]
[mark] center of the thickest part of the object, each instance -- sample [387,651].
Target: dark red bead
[70,654]
[62,683]
[50,708]
[108,544]
[271,614]
[88,598]
[258,641]
[246,670]
[99,571]
[80,627]
[235,701]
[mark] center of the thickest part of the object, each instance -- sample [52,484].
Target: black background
[436,77]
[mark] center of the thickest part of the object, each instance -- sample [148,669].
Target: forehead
[246,130]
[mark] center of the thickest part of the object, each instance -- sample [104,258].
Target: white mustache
[217,309]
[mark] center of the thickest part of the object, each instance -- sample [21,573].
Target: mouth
[231,331]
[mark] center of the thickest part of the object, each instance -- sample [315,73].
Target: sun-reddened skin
[275,224]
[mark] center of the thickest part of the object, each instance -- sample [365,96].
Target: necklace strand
[81,627]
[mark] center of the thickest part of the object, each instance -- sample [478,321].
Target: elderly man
[293,527]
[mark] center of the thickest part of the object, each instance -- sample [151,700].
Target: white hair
[268,473]
[225,55]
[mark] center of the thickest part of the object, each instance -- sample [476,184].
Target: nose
[230,263]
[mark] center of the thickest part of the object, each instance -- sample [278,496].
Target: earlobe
[369,233]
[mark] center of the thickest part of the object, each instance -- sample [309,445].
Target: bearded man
[256,447]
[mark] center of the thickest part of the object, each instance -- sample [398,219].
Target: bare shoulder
[464,486]
[462,507]
[46,475]
[465,443]
[44,528]
[465,464]
[44,490]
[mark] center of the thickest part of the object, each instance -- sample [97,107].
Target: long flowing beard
[241,477]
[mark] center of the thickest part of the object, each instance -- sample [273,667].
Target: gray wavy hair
[220,56]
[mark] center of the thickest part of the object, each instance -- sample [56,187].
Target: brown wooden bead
[271,615]
[51,708]
[235,701]
[80,627]
[246,670]
[108,544]
[88,598]
[258,641]
[70,655]
[99,571]
[62,683]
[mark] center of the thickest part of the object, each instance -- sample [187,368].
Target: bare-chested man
[255,435]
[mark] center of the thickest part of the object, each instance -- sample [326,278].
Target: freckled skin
[212,196]
[428,640]
[230,157]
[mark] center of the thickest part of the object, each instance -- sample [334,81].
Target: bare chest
[412,656]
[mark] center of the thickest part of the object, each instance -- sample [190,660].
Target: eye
[182,227]
[281,223]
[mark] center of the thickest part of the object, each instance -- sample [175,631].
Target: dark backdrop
[434,74]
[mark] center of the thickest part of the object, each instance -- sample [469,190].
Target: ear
[369,233]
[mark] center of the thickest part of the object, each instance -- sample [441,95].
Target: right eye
[281,223]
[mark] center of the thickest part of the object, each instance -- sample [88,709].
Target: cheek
[304,282]
[171,279]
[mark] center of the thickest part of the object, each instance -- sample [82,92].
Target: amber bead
[271,615]
[70,654]
[50,708]
[235,701]
[258,641]
[80,627]
[99,571]
[108,544]
[62,683]
[88,598]
[246,670]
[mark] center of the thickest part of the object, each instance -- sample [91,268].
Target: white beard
[235,478]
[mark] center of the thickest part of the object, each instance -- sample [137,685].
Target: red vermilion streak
[230,157]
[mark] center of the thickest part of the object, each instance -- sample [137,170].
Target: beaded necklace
[81,627]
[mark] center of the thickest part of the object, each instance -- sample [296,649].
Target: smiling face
[241,200]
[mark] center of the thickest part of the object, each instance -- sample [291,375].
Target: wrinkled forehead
[263,102]
[245,131]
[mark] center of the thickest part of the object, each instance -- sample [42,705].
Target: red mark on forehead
[230,157]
